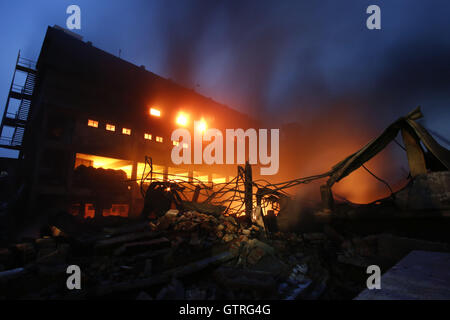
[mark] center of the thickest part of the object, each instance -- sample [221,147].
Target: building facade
[82,106]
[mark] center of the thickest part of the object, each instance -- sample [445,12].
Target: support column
[134,189]
[196,194]
[327,197]
[414,153]
[166,172]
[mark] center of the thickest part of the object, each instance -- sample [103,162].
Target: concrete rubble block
[219,234]
[165,222]
[242,239]
[238,244]
[228,237]
[429,191]
[261,256]
[186,226]
[256,249]
[172,213]
[152,226]
[230,227]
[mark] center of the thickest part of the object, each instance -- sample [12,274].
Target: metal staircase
[17,117]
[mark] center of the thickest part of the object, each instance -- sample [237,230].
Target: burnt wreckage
[80,106]
[140,228]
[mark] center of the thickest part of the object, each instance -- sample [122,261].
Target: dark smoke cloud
[305,58]
[414,73]
[281,61]
[251,43]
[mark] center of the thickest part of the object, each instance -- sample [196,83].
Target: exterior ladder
[15,118]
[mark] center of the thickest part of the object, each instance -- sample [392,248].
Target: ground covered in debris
[178,256]
[192,255]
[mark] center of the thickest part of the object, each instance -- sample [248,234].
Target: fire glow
[213,152]
[182,119]
[155,112]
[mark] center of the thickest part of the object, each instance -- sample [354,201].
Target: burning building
[80,107]
[87,125]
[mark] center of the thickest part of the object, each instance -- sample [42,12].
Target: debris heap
[188,255]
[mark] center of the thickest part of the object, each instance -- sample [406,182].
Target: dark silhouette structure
[80,106]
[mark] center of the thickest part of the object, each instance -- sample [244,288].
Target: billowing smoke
[312,64]
[316,67]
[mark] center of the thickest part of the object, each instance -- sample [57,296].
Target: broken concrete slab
[429,191]
[421,275]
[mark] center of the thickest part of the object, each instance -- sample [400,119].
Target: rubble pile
[188,255]
[201,251]
[191,255]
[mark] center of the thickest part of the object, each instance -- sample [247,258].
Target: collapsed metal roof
[407,124]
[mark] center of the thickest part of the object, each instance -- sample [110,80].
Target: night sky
[283,60]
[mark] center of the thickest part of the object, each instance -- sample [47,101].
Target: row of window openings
[160,172]
[111,127]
